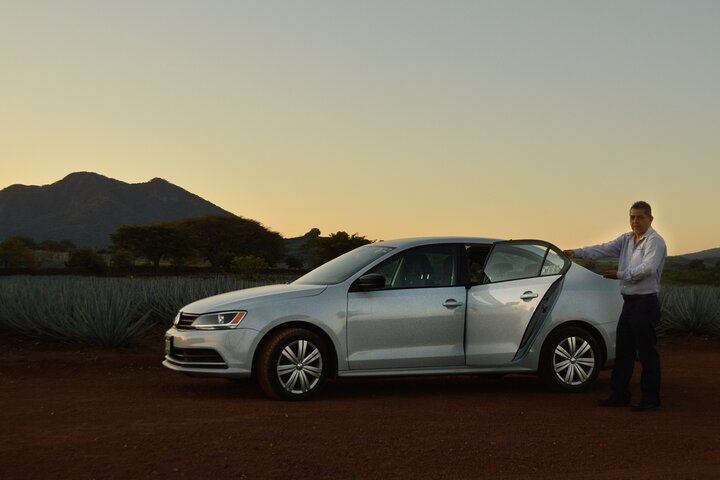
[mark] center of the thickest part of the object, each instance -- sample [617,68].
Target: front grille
[186,320]
[197,357]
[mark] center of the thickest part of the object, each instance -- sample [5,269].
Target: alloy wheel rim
[299,367]
[573,361]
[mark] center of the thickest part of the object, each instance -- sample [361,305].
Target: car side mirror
[371,281]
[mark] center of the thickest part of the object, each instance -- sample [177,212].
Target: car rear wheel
[293,364]
[570,359]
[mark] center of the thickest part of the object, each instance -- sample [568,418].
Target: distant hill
[86,208]
[710,258]
[705,255]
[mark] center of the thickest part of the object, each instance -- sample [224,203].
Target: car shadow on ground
[513,385]
[434,386]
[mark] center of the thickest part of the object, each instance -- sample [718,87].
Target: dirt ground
[80,413]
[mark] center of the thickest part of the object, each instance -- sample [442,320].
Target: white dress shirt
[640,264]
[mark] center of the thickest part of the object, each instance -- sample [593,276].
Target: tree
[87,260]
[55,246]
[14,252]
[27,241]
[313,233]
[216,239]
[324,249]
[220,239]
[153,242]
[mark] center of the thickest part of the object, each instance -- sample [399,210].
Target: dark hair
[642,206]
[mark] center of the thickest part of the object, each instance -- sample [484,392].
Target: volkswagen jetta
[423,306]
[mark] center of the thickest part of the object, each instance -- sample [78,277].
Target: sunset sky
[542,119]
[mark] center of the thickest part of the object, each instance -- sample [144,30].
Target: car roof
[417,241]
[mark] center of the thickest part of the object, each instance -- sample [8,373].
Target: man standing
[641,255]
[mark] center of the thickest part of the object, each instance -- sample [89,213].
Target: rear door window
[523,259]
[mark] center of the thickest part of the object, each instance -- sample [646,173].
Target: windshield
[343,267]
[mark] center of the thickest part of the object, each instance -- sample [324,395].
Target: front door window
[432,266]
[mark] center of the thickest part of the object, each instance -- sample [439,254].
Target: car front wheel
[293,364]
[570,360]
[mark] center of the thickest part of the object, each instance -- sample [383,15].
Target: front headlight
[219,321]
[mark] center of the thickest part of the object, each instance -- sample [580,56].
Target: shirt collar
[648,233]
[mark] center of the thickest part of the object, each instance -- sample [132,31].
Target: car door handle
[452,303]
[528,295]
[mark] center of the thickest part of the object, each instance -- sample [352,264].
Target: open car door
[503,307]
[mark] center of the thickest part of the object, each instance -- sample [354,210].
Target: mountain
[87,207]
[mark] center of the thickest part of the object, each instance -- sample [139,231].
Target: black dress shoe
[613,402]
[644,407]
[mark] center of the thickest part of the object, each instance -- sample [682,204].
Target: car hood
[241,299]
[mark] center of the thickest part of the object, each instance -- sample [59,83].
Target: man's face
[639,221]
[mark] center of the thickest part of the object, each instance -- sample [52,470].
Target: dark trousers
[636,334]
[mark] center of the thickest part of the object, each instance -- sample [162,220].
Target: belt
[638,296]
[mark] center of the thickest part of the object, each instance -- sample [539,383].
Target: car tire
[293,364]
[570,360]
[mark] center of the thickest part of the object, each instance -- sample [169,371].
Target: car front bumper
[211,353]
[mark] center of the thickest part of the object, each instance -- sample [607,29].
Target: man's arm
[608,249]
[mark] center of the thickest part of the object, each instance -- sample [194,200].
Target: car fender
[324,313]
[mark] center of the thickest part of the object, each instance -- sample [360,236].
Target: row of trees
[226,242]
[241,245]
[221,242]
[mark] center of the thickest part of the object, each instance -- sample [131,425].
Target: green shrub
[248,265]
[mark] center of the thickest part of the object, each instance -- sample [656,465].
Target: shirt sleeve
[608,249]
[652,259]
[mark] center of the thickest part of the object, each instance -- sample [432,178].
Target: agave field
[104,311]
[117,311]
[690,310]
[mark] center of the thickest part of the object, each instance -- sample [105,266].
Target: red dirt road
[80,413]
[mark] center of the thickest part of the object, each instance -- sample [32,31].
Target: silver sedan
[422,306]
